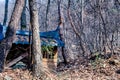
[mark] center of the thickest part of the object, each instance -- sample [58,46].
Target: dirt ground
[98,69]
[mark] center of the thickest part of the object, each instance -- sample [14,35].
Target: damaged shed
[50,41]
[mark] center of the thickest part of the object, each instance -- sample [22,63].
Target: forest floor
[96,69]
[100,69]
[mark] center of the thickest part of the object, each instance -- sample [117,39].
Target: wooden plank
[16,60]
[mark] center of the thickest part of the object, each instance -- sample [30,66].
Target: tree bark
[23,17]
[74,28]
[60,24]
[36,45]
[47,11]
[6,12]
[6,43]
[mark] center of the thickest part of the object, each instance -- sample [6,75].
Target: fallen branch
[16,60]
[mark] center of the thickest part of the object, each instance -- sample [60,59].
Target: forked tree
[6,43]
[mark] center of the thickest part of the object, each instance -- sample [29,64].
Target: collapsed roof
[49,38]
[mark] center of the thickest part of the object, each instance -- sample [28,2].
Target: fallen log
[16,60]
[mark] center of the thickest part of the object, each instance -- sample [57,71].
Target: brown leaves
[16,74]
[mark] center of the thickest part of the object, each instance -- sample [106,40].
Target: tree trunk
[60,24]
[36,45]
[6,12]
[47,11]
[6,44]
[23,17]
[74,28]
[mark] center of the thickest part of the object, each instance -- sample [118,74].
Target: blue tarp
[49,35]
[1,32]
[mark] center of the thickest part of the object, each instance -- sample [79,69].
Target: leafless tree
[6,12]
[6,43]
[36,46]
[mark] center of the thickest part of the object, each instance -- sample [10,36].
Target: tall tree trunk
[6,12]
[23,17]
[36,45]
[47,10]
[6,44]
[60,24]
[74,28]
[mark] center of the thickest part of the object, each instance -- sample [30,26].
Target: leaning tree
[6,43]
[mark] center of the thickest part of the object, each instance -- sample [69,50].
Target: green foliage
[47,49]
[23,26]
